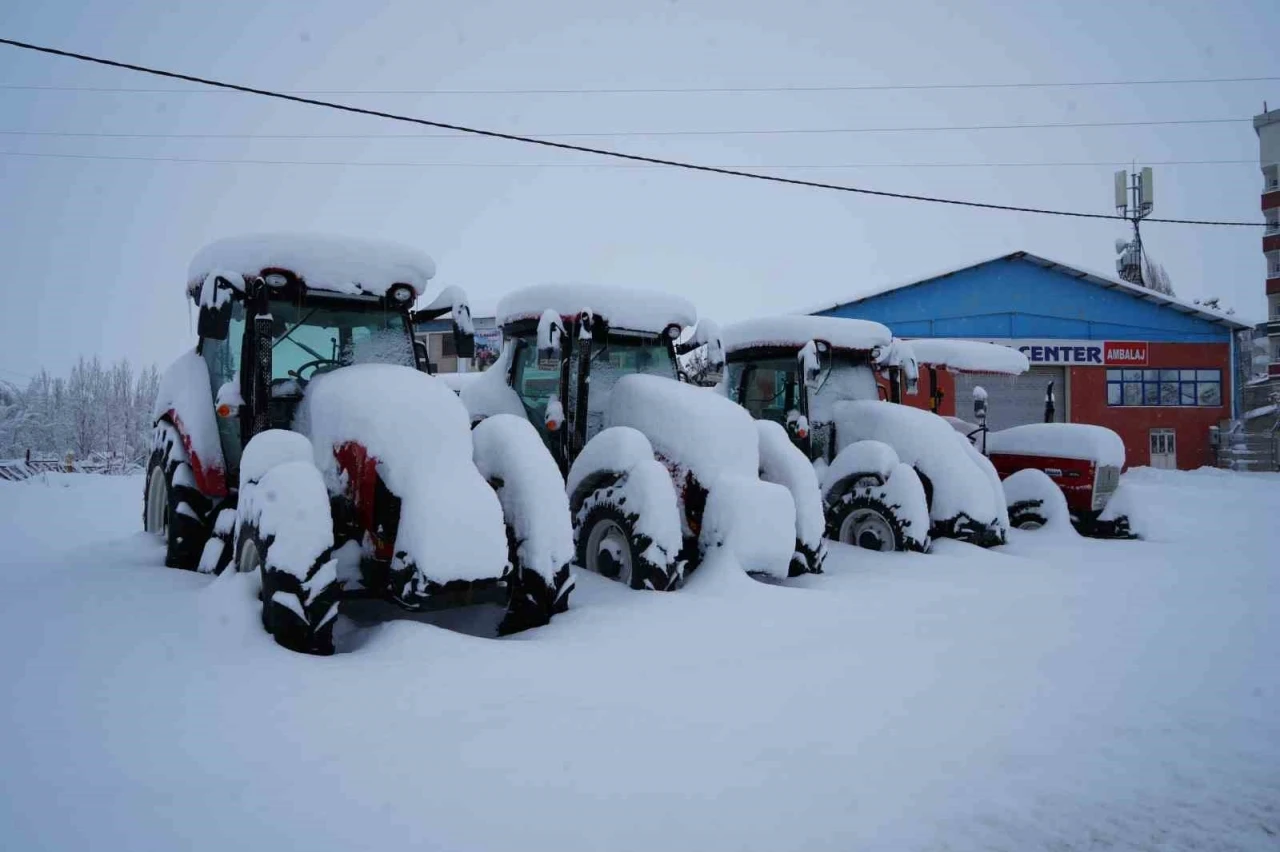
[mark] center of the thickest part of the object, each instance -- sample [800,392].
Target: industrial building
[1158,371]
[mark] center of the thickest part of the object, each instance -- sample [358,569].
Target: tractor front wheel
[298,613]
[864,521]
[609,545]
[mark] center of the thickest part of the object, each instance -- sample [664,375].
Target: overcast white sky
[94,252]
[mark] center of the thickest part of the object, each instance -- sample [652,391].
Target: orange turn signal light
[224,410]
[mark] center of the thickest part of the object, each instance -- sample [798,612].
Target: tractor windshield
[618,357]
[318,337]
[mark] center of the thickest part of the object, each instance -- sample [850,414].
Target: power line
[566,146]
[811,166]
[793,131]
[674,90]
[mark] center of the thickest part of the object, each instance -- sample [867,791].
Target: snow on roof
[969,356]
[840,332]
[632,310]
[336,264]
[1099,279]
[1065,440]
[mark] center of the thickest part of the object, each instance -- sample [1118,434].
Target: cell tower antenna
[1134,199]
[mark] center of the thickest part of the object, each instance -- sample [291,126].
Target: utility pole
[1134,201]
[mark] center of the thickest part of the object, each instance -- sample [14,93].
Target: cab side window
[768,393]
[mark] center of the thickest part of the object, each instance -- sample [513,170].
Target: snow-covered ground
[1056,693]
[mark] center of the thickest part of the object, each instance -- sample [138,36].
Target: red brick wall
[1191,425]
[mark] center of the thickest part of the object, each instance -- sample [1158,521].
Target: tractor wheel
[173,509]
[298,613]
[609,545]
[1027,515]
[806,560]
[533,601]
[865,521]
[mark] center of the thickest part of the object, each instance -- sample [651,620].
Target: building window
[1164,387]
[447,348]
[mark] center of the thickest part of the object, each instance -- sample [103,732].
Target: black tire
[806,560]
[308,628]
[862,519]
[532,601]
[643,574]
[185,533]
[1027,515]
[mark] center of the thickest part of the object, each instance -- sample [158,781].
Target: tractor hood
[419,435]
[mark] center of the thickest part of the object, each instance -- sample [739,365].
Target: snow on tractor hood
[451,523]
[796,331]
[647,311]
[1062,440]
[969,356]
[962,483]
[344,265]
[693,427]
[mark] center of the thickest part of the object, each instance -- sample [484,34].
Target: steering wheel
[319,365]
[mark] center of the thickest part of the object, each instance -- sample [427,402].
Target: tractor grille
[1107,481]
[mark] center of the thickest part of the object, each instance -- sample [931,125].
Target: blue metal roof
[1022,295]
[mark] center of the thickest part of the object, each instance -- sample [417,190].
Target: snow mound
[270,448]
[335,264]
[796,331]
[782,463]
[961,485]
[488,393]
[624,455]
[753,520]
[450,519]
[1065,440]
[507,449]
[458,381]
[970,356]
[859,458]
[186,396]
[1032,486]
[631,310]
[289,505]
[694,428]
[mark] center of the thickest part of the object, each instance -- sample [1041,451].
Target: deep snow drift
[1050,694]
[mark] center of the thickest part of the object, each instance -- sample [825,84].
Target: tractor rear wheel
[173,509]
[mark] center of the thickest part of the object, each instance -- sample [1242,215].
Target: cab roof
[647,311]
[343,265]
[796,331]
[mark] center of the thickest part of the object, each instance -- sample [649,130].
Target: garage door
[1013,400]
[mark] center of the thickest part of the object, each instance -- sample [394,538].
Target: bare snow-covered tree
[1154,277]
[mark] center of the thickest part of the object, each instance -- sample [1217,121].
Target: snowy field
[1057,693]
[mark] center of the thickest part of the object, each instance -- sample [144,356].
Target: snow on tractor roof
[796,331]
[1064,440]
[647,311]
[969,356]
[345,265]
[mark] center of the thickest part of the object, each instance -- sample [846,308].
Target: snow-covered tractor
[1084,461]
[303,439]
[659,471]
[893,477]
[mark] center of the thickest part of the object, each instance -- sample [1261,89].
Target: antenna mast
[1134,201]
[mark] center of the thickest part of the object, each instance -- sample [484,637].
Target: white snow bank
[289,504]
[926,441]
[488,393]
[645,485]
[783,463]
[458,381]
[970,356]
[337,264]
[753,520]
[270,448]
[450,519]
[185,391]
[859,458]
[796,331]
[632,310]
[1065,440]
[1034,486]
[691,427]
[508,449]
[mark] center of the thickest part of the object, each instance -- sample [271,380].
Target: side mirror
[215,307]
[553,414]
[815,363]
[464,336]
[980,405]
[550,333]
[420,356]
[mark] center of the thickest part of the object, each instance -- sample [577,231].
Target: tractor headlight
[401,294]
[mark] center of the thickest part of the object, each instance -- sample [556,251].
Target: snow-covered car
[1082,459]
[303,439]
[892,476]
[659,471]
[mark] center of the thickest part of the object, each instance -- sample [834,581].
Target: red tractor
[303,440]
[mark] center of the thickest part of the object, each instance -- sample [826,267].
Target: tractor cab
[792,370]
[567,346]
[275,314]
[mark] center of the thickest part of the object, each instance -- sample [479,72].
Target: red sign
[1121,353]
